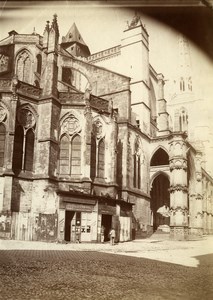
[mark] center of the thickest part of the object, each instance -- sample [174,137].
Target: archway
[160,201]
[160,157]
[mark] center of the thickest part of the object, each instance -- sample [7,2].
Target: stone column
[197,229]
[86,144]
[162,120]
[113,150]
[8,174]
[178,188]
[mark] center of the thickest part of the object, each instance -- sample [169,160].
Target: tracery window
[76,155]
[24,140]
[70,155]
[2,144]
[93,158]
[182,84]
[97,162]
[24,66]
[64,155]
[101,159]
[183,118]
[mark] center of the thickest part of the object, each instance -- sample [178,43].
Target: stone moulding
[27,89]
[184,210]
[178,187]
[5,84]
[178,163]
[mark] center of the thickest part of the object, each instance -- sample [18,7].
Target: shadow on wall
[119,163]
[5,224]
[45,227]
[16,196]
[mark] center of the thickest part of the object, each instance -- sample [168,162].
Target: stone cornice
[136,192]
[178,187]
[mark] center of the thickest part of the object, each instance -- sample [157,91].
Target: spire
[55,25]
[74,43]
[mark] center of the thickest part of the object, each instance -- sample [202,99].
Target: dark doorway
[160,197]
[68,218]
[106,222]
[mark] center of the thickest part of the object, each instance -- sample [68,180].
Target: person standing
[112,236]
[102,233]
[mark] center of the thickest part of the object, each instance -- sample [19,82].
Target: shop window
[101,159]
[76,155]
[2,143]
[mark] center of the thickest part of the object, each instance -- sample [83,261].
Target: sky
[101,27]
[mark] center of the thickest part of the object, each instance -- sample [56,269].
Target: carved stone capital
[178,187]
[178,163]
[199,176]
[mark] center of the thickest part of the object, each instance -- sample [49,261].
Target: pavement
[185,253]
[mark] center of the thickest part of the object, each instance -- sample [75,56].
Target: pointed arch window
[24,141]
[183,118]
[76,155]
[70,155]
[101,159]
[29,150]
[18,148]
[39,63]
[182,84]
[24,66]
[2,144]
[93,158]
[190,84]
[137,171]
[64,155]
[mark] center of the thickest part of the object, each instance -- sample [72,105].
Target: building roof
[73,36]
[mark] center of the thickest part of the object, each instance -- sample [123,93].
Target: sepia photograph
[106,150]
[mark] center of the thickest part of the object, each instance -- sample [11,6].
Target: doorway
[160,199]
[106,222]
[68,218]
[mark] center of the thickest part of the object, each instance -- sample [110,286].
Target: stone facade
[84,148]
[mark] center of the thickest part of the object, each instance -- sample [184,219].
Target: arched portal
[160,201]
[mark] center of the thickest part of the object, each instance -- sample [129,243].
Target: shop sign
[79,207]
[106,209]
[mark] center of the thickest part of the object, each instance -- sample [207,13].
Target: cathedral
[89,143]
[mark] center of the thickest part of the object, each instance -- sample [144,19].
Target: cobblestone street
[78,272]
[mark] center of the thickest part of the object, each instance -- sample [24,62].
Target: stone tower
[184,82]
[74,43]
[49,110]
[135,58]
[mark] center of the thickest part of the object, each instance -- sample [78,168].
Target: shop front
[87,218]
